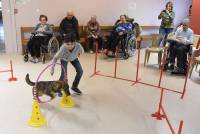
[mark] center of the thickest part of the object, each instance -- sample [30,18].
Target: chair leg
[196,66]
[145,58]
[148,56]
[159,58]
[191,69]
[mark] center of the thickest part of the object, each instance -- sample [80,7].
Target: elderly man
[179,46]
[69,25]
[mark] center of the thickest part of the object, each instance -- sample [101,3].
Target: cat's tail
[28,81]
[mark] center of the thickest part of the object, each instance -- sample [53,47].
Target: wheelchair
[127,45]
[189,54]
[128,42]
[51,48]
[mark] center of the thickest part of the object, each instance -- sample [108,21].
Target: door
[9,26]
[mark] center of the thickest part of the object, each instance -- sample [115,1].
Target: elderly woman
[167,24]
[119,31]
[40,37]
[93,30]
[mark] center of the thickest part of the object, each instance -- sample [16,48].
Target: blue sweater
[123,27]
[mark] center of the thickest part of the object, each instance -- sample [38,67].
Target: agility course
[11,71]
[160,114]
[37,119]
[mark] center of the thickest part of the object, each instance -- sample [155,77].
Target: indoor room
[99,67]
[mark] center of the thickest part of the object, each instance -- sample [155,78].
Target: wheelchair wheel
[132,46]
[26,56]
[53,46]
[125,56]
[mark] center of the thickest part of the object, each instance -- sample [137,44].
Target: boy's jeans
[78,68]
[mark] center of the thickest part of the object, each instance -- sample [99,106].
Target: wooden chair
[195,61]
[195,55]
[155,48]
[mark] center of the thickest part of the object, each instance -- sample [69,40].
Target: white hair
[186,21]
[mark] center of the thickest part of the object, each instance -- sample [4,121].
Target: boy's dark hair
[43,16]
[69,38]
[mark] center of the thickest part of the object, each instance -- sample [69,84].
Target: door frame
[9,24]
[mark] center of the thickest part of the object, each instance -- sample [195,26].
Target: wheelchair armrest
[190,50]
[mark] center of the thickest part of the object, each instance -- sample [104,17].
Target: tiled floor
[107,106]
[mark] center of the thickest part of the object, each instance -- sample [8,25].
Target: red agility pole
[167,119]
[158,114]
[161,74]
[12,78]
[138,64]
[186,79]
[115,68]
[162,67]
[116,61]
[161,114]
[180,127]
[95,62]
[137,80]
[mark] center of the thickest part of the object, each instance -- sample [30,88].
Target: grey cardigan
[48,29]
[65,54]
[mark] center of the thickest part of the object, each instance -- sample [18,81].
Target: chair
[195,55]
[196,41]
[154,49]
[195,61]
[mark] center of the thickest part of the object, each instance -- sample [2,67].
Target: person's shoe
[171,67]
[100,51]
[125,56]
[26,58]
[105,51]
[165,67]
[76,90]
[179,71]
[111,54]
[36,60]
[32,59]
[91,52]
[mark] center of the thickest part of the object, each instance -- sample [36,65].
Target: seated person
[40,36]
[93,30]
[69,25]
[119,31]
[179,46]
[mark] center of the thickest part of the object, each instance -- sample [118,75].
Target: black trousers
[114,40]
[179,51]
[91,41]
[36,43]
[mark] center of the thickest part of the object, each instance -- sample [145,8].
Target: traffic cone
[37,119]
[66,102]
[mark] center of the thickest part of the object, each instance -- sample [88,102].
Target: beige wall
[145,12]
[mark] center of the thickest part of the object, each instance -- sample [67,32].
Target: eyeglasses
[43,20]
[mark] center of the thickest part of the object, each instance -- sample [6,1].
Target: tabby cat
[49,88]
